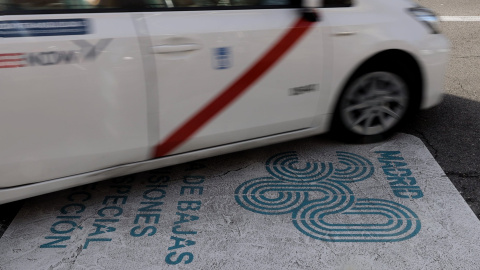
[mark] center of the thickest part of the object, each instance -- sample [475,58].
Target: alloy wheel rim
[374,103]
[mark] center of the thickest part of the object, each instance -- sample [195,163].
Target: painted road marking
[460,18]
[290,184]
[307,204]
[236,89]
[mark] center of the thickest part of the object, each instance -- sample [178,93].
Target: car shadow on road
[8,212]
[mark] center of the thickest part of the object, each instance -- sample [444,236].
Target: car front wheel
[372,105]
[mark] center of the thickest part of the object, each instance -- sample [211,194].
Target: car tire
[374,103]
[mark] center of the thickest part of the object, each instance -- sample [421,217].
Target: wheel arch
[405,61]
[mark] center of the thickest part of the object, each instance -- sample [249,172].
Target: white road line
[460,18]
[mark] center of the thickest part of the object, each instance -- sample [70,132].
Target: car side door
[72,96]
[233,70]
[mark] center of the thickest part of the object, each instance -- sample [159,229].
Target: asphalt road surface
[451,131]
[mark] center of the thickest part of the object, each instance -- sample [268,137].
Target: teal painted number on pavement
[321,204]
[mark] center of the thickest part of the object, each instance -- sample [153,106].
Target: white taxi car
[94,89]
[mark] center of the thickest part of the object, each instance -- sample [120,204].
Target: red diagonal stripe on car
[11,66]
[11,54]
[11,60]
[234,90]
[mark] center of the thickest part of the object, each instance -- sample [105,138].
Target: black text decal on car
[302,89]
[87,52]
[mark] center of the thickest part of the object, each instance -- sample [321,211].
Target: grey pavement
[305,204]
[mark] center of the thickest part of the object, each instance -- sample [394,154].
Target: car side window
[337,3]
[28,6]
[19,5]
[214,3]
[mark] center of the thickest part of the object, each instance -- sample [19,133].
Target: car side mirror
[309,12]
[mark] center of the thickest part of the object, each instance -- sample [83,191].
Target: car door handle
[176,48]
[345,33]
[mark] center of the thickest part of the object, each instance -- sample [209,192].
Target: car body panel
[106,117]
[78,104]
[188,80]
